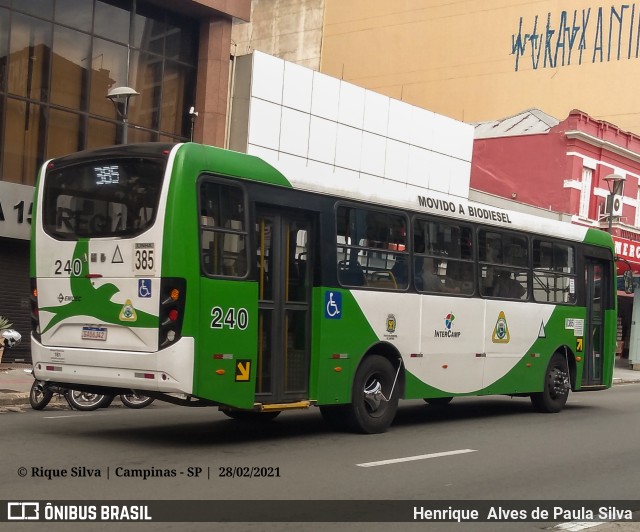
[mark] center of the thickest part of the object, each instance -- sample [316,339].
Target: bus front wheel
[373,406]
[555,393]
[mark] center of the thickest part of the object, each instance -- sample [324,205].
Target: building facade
[336,137]
[289,29]
[477,61]
[472,61]
[586,168]
[58,61]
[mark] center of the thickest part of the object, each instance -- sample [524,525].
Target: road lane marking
[62,417]
[576,526]
[419,457]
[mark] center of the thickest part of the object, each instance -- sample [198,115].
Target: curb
[13,399]
[16,401]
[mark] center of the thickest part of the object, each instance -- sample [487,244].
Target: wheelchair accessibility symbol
[144,287]
[332,305]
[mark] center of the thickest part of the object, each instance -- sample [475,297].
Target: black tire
[136,400]
[249,415]
[369,411]
[86,401]
[438,401]
[557,384]
[39,395]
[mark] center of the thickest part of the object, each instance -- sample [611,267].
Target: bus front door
[598,299]
[284,264]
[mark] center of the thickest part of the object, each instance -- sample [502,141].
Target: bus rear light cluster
[35,313]
[171,312]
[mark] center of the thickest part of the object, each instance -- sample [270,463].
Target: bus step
[284,406]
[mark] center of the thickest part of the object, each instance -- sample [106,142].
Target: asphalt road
[475,449]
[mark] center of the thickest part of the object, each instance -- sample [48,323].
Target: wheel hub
[373,396]
[560,383]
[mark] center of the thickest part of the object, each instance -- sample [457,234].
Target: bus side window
[350,273]
[400,271]
[554,272]
[507,287]
[223,234]
[235,262]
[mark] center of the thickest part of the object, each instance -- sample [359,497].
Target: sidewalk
[622,374]
[15,383]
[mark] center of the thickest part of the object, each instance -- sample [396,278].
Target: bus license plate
[94,333]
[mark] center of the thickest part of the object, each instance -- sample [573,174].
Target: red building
[586,168]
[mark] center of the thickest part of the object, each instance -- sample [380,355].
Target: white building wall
[325,133]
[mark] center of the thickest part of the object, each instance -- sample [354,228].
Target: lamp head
[120,98]
[121,92]
[612,180]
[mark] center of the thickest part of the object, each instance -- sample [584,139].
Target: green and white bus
[206,277]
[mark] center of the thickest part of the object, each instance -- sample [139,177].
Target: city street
[269,205]
[476,449]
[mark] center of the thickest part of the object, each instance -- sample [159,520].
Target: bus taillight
[171,312]
[35,314]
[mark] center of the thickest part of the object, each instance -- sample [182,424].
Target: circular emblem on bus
[501,329]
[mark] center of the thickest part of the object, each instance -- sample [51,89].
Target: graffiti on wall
[590,35]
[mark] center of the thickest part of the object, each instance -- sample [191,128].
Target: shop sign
[16,205]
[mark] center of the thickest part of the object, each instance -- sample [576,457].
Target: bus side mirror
[628,282]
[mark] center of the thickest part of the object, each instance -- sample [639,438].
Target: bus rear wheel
[557,384]
[373,405]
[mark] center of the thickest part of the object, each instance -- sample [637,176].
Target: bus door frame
[599,298]
[279,361]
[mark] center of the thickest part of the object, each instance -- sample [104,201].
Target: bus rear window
[102,198]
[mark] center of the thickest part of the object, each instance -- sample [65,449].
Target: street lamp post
[612,181]
[120,97]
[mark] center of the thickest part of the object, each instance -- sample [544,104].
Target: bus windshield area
[102,198]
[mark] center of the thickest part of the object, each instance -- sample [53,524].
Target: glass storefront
[59,59]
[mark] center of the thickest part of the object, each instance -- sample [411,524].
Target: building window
[585,192]
[57,66]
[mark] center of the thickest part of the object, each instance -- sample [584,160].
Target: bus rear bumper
[168,371]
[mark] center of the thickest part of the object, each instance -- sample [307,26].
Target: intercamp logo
[448,332]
